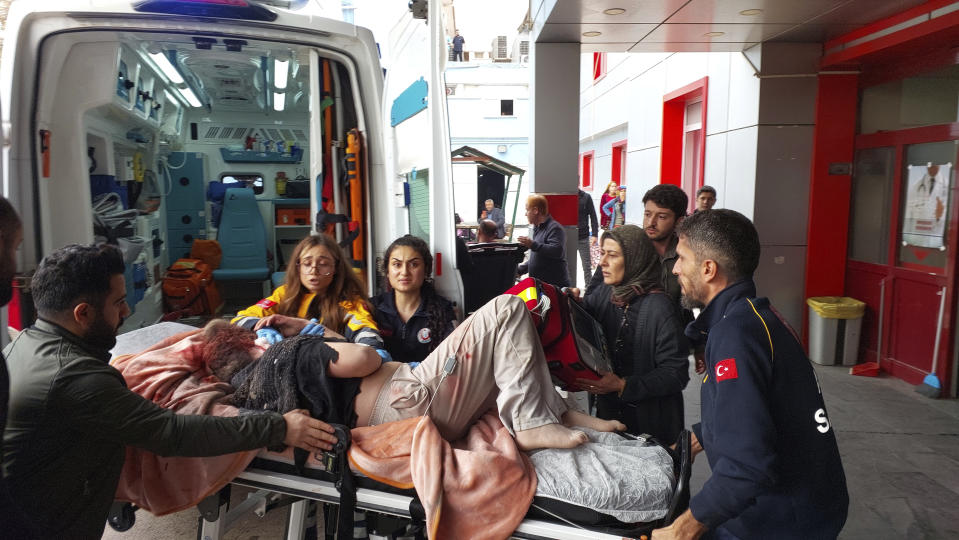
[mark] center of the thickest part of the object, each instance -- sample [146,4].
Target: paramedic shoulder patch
[266,303]
[726,370]
[423,336]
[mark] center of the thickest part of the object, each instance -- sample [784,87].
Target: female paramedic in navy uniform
[648,350]
[319,285]
[411,316]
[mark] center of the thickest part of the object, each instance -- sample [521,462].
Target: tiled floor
[900,451]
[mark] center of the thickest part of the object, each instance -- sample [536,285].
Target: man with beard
[776,470]
[11,234]
[71,413]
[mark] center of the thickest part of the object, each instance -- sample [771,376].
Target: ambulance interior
[163,116]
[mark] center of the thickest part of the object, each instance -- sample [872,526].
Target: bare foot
[574,418]
[549,436]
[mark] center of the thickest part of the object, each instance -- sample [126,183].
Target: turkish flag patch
[726,370]
[266,303]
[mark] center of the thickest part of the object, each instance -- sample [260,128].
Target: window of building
[684,140]
[586,171]
[618,172]
[506,107]
[599,65]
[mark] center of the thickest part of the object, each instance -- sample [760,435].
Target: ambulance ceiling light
[279,101]
[190,97]
[280,73]
[163,63]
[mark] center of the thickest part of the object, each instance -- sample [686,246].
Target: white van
[155,99]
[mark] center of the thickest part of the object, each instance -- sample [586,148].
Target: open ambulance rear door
[416,122]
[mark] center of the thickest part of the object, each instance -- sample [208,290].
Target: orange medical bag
[188,288]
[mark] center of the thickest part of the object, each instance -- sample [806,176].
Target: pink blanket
[172,375]
[478,487]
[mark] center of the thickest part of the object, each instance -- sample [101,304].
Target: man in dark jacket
[547,257]
[776,470]
[71,414]
[588,229]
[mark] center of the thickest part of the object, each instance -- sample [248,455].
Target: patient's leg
[550,436]
[499,359]
[574,418]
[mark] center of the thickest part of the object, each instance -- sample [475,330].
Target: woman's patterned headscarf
[643,271]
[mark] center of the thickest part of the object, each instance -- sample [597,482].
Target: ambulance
[123,120]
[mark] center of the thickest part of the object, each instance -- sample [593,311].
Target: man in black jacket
[71,414]
[776,470]
[588,233]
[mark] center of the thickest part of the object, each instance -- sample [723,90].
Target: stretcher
[279,483]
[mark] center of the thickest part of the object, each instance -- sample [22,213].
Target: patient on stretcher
[493,359]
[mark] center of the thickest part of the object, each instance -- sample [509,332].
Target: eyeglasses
[321,267]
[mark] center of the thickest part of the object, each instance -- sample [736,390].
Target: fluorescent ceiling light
[190,97]
[592,33]
[614,11]
[279,101]
[280,73]
[162,62]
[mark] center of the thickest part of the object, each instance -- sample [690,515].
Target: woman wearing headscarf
[645,337]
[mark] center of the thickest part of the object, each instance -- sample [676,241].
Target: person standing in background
[458,42]
[705,198]
[615,209]
[547,257]
[612,192]
[588,232]
[495,215]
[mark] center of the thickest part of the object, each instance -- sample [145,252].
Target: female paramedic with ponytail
[321,295]
[412,317]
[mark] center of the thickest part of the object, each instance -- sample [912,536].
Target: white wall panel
[740,185]
[717,114]
[714,170]
[642,173]
[683,69]
[743,93]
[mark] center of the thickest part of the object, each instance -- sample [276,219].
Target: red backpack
[572,339]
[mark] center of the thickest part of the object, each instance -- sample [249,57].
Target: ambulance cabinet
[185,204]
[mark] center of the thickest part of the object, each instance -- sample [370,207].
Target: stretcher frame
[277,489]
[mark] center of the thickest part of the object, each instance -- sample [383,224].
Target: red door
[902,247]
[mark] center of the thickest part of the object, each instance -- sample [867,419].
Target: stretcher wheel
[122,517]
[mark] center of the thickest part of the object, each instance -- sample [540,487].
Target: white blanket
[610,474]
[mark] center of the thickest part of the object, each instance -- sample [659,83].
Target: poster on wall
[927,205]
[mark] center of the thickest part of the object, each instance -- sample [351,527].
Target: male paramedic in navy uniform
[776,470]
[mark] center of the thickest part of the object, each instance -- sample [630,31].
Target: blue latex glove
[413,365]
[271,335]
[384,355]
[313,329]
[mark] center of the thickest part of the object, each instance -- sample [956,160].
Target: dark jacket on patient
[293,374]
[650,352]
